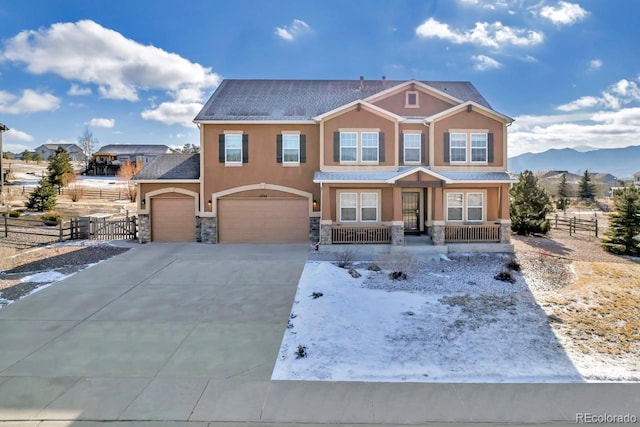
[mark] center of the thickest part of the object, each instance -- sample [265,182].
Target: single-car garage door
[263,220]
[173,219]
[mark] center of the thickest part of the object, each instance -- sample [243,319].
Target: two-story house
[108,159]
[75,153]
[341,161]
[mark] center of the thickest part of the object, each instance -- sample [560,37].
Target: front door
[411,212]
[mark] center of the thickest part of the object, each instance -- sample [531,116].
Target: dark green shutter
[303,148]
[446,147]
[336,147]
[490,148]
[381,147]
[401,146]
[278,148]
[245,148]
[221,156]
[423,149]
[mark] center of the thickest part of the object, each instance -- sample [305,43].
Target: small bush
[505,276]
[301,352]
[398,275]
[316,295]
[51,218]
[345,258]
[12,214]
[514,265]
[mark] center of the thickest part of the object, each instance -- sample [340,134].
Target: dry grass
[596,306]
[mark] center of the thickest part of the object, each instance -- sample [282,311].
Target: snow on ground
[104,182]
[44,277]
[450,321]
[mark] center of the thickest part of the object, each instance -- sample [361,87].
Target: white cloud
[30,102]
[564,13]
[76,90]
[580,103]
[595,64]
[16,135]
[291,32]
[494,35]
[173,113]
[86,52]
[102,123]
[483,63]
[610,129]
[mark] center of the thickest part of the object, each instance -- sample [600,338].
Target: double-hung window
[233,148]
[465,207]
[458,147]
[368,207]
[348,146]
[369,146]
[348,207]
[412,146]
[291,148]
[479,147]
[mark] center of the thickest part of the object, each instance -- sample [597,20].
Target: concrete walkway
[188,334]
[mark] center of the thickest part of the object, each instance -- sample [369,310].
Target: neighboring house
[74,151]
[343,161]
[636,179]
[108,159]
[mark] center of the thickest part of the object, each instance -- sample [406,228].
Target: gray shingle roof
[380,176]
[171,166]
[305,99]
[134,149]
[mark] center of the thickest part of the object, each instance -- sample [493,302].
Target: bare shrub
[75,193]
[345,258]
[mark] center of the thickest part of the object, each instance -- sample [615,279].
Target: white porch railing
[472,233]
[361,234]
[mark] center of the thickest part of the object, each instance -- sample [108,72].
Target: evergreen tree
[586,189]
[623,235]
[37,157]
[563,193]
[43,197]
[59,171]
[530,205]
[26,156]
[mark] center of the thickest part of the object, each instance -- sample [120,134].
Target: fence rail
[361,234]
[79,192]
[471,233]
[575,225]
[72,229]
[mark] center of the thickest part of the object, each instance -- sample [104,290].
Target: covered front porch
[414,207]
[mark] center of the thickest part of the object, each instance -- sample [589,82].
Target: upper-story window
[412,146]
[348,146]
[290,148]
[479,147]
[233,148]
[369,146]
[358,147]
[458,147]
[411,100]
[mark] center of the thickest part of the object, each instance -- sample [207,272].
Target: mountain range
[620,162]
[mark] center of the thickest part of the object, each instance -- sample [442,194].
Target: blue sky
[139,71]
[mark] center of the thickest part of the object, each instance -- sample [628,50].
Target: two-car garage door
[262,220]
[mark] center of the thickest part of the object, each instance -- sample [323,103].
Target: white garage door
[263,220]
[173,219]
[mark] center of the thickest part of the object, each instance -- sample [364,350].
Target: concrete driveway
[189,334]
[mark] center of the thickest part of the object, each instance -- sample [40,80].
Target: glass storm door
[411,212]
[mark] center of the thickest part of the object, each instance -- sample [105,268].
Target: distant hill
[619,162]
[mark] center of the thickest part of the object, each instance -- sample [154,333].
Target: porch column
[438,207]
[326,225]
[503,209]
[397,225]
[505,230]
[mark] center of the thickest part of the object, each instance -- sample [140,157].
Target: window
[233,148]
[458,147]
[369,207]
[369,146]
[454,206]
[412,100]
[290,148]
[474,206]
[479,147]
[348,146]
[348,207]
[412,147]
[470,209]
